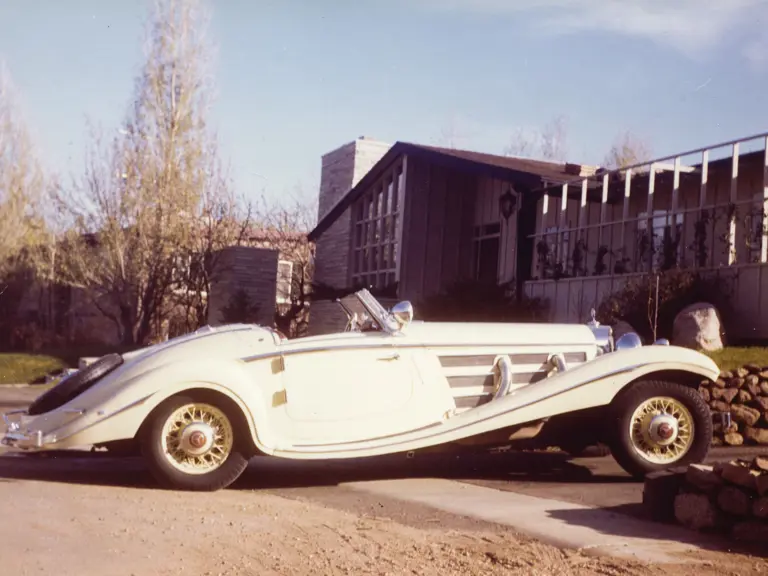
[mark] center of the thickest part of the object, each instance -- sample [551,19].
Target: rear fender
[121,414]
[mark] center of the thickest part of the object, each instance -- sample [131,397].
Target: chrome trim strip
[425,345]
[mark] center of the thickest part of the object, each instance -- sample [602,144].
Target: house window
[376,216]
[284,281]
[486,244]
[665,245]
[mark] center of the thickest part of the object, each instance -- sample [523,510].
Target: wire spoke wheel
[197,438]
[661,430]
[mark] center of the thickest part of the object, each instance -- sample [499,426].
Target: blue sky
[297,78]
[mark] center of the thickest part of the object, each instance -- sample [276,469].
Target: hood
[492,333]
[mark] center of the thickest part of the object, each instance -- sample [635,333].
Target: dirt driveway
[90,516]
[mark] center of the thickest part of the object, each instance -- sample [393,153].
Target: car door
[358,390]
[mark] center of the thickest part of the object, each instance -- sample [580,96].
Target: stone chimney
[343,167]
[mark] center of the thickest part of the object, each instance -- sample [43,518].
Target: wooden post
[542,227]
[675,200]
[649,214]
[562,258]
[734,198]
[625,210]
[764,219]
[703,193]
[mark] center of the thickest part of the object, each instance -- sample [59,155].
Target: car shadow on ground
[294,478]
[266,473]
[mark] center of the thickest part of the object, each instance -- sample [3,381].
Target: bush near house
[636,302]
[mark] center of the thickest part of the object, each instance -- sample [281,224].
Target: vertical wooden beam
[583,206]
[542,226]
[625,210]
[703,193]
[603,209]
[649,214]
[733,200]
[764,219]
[675,201]
[563,258]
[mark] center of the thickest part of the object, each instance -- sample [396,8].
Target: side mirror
[402,312]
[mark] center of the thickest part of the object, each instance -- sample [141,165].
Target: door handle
[393,356]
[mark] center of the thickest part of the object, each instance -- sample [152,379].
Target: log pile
[744,393]
[730,498]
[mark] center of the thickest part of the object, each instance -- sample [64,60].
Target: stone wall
[242,267]
[729,498]
[744,393]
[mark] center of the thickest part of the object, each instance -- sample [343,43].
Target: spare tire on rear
[74,385]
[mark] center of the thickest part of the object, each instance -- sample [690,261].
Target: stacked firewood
[728,497]
[744,393]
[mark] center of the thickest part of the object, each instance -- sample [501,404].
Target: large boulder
[698,326]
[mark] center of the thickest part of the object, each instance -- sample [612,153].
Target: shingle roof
[502,166]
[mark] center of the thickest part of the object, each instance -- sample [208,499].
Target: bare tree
[21,180]
[549,143]
[145,192]
[626,150]
[284,227]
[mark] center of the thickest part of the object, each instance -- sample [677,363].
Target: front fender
[597,382]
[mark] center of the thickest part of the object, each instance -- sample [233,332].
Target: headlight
[629,340]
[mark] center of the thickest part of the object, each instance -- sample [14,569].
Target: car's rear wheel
[657,424]
[194,444]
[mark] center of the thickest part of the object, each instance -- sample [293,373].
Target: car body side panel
[591,385]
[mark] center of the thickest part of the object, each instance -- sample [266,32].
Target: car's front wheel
[193,444]
[657,424]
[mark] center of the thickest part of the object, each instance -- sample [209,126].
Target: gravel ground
[91,530]
[95,515]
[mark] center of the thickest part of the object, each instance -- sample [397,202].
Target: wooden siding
[437,229]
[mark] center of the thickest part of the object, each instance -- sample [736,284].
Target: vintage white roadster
[199,406]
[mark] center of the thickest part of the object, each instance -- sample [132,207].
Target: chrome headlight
[629,340]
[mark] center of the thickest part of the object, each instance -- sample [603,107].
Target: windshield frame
[381,315]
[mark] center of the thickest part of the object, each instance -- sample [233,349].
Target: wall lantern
[507,203]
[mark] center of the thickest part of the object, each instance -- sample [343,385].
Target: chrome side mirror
[402,312]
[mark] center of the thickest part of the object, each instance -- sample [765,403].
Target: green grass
[24,368]
[731,358]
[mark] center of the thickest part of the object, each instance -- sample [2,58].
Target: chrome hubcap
[661,430]
[197,438]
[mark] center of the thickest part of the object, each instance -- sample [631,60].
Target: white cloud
[690,26]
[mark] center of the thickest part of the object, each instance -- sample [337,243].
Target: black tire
[172,478]
[620,416]
[71,387]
